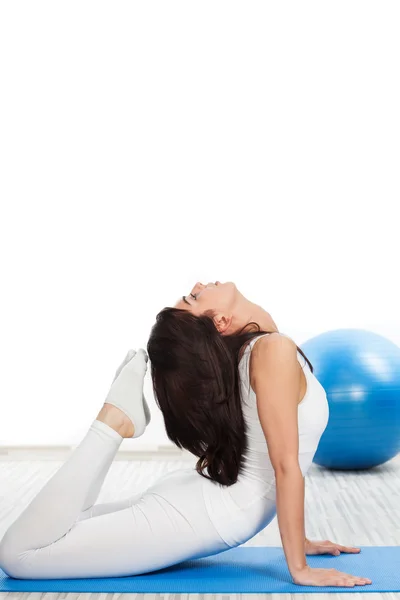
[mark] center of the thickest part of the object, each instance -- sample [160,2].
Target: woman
[245,402]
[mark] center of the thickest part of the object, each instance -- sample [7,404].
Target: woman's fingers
[333,547]
[358,580]
[349,579]
[348,549]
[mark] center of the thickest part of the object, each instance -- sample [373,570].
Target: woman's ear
[222,323]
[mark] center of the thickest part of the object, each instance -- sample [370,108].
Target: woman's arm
[276,382]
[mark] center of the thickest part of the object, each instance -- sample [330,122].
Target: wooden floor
[358,509]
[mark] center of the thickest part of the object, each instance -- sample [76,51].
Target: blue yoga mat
[238,570]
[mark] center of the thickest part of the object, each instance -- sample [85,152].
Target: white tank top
[241,510]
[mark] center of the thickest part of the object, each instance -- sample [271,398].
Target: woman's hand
[327,547]
[327,577]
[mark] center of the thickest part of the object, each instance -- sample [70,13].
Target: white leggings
[63,534]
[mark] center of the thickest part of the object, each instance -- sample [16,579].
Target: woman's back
[250,503]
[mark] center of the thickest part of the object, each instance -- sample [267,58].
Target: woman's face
[217,296]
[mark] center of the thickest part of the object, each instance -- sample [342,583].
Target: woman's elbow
[288,466]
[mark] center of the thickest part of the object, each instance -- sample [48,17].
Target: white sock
[126,391]
[130,354]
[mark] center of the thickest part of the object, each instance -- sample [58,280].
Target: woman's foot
[117,420]
[131,354]
[126,394]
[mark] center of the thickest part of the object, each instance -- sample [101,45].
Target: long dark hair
[194,371]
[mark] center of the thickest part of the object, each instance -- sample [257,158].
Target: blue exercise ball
[360,372]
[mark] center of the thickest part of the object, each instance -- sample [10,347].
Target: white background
[145,146]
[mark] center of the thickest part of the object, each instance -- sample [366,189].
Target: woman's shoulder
[272,343]
[268,339]
[275,349]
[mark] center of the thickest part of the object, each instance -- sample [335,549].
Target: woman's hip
[180,493]
[238,513]
[222,516]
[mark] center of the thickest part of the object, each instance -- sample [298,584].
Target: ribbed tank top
[241,510]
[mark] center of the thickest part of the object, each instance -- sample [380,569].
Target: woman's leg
[103,508]
[167,524]
[88,509]
[87,467]
[96,485]
[54,510]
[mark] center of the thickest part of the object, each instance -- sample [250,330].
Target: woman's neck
[262,317]
[247,312]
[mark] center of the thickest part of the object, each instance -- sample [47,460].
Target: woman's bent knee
[10,558]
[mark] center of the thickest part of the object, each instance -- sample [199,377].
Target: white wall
[146,146]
